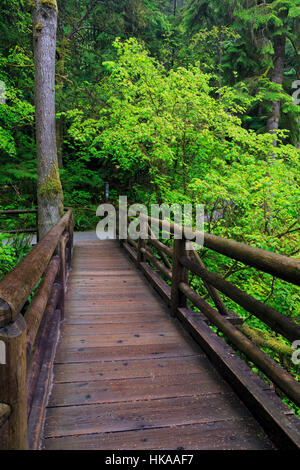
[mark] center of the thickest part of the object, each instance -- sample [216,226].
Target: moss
[50,4]
[39,26]
[264,340]
[51,186]
[37,30]
[31,4]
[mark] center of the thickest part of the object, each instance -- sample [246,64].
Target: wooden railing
[16,212]
[31,306]
[174,266]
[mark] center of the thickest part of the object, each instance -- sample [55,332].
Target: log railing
[31,306]
[170,276]
[16,212]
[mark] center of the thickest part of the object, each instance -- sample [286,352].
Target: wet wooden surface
[128,376]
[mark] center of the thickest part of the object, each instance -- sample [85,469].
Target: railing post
[140,255]
[37,225]
[179,274]
[71,236]
[65,250]
[13,391]
[118,228]
[62,275]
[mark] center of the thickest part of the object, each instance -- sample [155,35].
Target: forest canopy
[149,90]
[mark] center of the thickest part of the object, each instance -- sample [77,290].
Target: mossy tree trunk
[50,196]
[277,77]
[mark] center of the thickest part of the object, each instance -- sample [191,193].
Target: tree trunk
[59,141]
[277,77]
[50,196]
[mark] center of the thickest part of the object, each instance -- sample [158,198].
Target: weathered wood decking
[128,376]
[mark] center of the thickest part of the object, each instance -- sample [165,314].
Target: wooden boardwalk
[128,376]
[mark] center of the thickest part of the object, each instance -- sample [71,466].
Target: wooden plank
[123,368]
[205,382]
[123,352]
[126,286]
[125,416]
[162,326]
[111,318]
[106,309]
[125,339]
[109,273]
[75,372]
[216,435]
[111,303]
[111,297]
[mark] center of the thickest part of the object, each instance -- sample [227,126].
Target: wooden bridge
[102,350]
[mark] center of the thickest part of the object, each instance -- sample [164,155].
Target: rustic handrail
[17,212]
[18,284]
[275,264]
[275,320]
[5,411]
[175,290]
[275,373]
[29,336]
[214,294]
[23,211]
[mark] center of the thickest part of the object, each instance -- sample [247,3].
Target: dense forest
[175,101]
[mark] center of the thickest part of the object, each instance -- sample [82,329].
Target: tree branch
[78,25]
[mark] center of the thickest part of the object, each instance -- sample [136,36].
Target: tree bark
[50,196]
[277,77]
[59,140]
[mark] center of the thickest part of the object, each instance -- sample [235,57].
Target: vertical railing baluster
[13,389]
[179,274]
[37,225]
[140,255]
[62,275]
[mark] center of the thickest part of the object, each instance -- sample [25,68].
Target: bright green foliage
[17,159]
[249,54]
[169,138]
[12,250]
[174,110]
[162,124]
[268,21]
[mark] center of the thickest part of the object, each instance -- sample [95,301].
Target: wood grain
[217,435]
[128,376]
